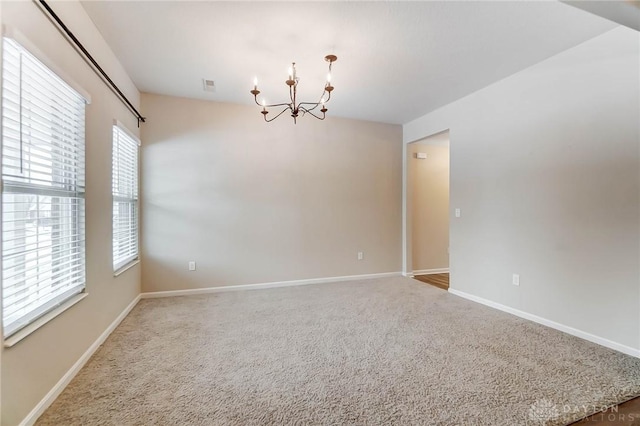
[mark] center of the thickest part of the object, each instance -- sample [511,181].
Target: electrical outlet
[360,255]
[516,279]
[192,265]
[457,212]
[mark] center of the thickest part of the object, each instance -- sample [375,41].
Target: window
[43,238]
[125,198]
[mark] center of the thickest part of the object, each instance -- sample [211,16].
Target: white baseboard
[69,375]
[172,293]
[431,271]
[552,324]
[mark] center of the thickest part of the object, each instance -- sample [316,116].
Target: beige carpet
[371,352]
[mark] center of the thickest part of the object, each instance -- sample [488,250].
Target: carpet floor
[371,352]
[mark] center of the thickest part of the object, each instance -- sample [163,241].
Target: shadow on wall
[253,202]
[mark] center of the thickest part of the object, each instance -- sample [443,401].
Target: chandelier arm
[309,111]
[316,104]
[279,114]
[277,105]
[271,105]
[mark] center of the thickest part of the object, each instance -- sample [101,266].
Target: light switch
[457,212]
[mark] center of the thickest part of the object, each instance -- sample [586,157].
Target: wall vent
[208,85]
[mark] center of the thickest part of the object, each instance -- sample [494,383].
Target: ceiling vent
[208,85]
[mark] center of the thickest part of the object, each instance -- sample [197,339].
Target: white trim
[407,262]
[172,293]
[126,267]
[28,329]
[431,271]
[39,409]
[555,325]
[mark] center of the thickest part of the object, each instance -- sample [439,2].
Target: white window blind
[43,237]
[125,198]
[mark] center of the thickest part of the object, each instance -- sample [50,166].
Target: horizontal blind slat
[64,275]
[56,278]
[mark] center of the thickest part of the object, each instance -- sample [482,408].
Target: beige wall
[430,205]
[253,202]
[33,366]
[545,169]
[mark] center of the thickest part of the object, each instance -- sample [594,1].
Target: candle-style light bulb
[290,73]
[255,83]
[264,105]
[329,78]
[322,101]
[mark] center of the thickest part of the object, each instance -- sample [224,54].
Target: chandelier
[297,109]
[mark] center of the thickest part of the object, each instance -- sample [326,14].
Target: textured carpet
[371,352]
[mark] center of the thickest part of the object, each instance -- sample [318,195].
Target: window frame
[132,260]
[38,315]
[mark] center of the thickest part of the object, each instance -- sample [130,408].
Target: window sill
[126,267]
[11,341]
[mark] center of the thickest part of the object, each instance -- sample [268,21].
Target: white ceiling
[396,60]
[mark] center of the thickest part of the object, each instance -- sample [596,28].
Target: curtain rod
[95,64]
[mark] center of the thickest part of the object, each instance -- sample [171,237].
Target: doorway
[427,210]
